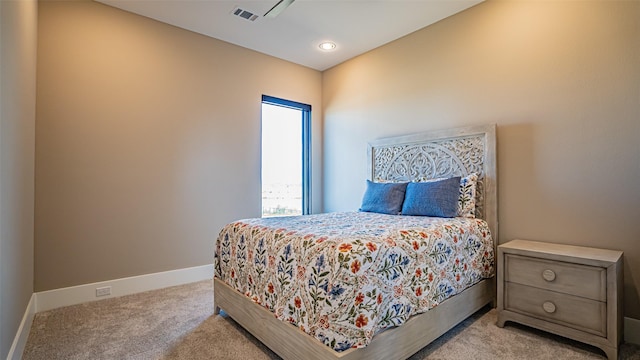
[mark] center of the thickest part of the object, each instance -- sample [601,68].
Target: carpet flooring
[178,323]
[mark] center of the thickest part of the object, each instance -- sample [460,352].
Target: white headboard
[440,154]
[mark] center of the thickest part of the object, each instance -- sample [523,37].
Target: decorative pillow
[467,200]
[434,198]
[384,198]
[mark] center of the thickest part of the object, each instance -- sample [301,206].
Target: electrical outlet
[103,291]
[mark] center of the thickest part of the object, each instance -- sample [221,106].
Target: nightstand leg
[612,353]
[501,321]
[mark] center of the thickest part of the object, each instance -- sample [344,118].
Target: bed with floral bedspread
[343,277]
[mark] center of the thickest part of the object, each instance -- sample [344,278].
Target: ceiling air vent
[247,15]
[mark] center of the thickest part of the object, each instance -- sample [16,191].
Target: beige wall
[562,82]
[148,142]
[18,30]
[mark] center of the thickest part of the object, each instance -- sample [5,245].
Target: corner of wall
[20,341]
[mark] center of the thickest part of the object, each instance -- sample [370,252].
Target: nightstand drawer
[573,279]
[572,311]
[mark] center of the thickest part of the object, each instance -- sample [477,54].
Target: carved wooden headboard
[441,154]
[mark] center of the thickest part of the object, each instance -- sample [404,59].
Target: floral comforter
[342,277]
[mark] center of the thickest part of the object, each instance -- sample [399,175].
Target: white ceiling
[356,26]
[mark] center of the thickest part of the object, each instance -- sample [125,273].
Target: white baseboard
[19,342]
[47,300]
[632,330]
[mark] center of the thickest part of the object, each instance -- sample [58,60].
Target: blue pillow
[436,198]
[384,198]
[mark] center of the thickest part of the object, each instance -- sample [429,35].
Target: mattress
[343,277]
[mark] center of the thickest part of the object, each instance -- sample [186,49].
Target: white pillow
[467,200]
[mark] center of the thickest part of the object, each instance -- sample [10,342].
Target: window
[286,157]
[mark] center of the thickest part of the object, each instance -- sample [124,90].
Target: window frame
[305,109]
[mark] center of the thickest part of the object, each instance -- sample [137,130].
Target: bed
[357,285]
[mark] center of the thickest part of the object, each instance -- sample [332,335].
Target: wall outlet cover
[103,291]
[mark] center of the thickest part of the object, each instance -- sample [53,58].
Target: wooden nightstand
[572,291]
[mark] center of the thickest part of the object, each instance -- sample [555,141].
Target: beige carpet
[178,323]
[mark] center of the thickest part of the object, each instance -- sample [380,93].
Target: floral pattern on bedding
[342,277]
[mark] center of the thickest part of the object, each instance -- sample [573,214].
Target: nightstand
[572,291]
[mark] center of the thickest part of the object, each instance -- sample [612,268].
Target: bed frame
[436,154]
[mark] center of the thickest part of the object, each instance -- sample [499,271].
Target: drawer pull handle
[549,307]
[548,275]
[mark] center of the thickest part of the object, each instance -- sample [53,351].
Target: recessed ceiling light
[327,45]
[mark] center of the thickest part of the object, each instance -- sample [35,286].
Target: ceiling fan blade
[278,8]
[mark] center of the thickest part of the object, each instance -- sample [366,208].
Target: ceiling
[355,26]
